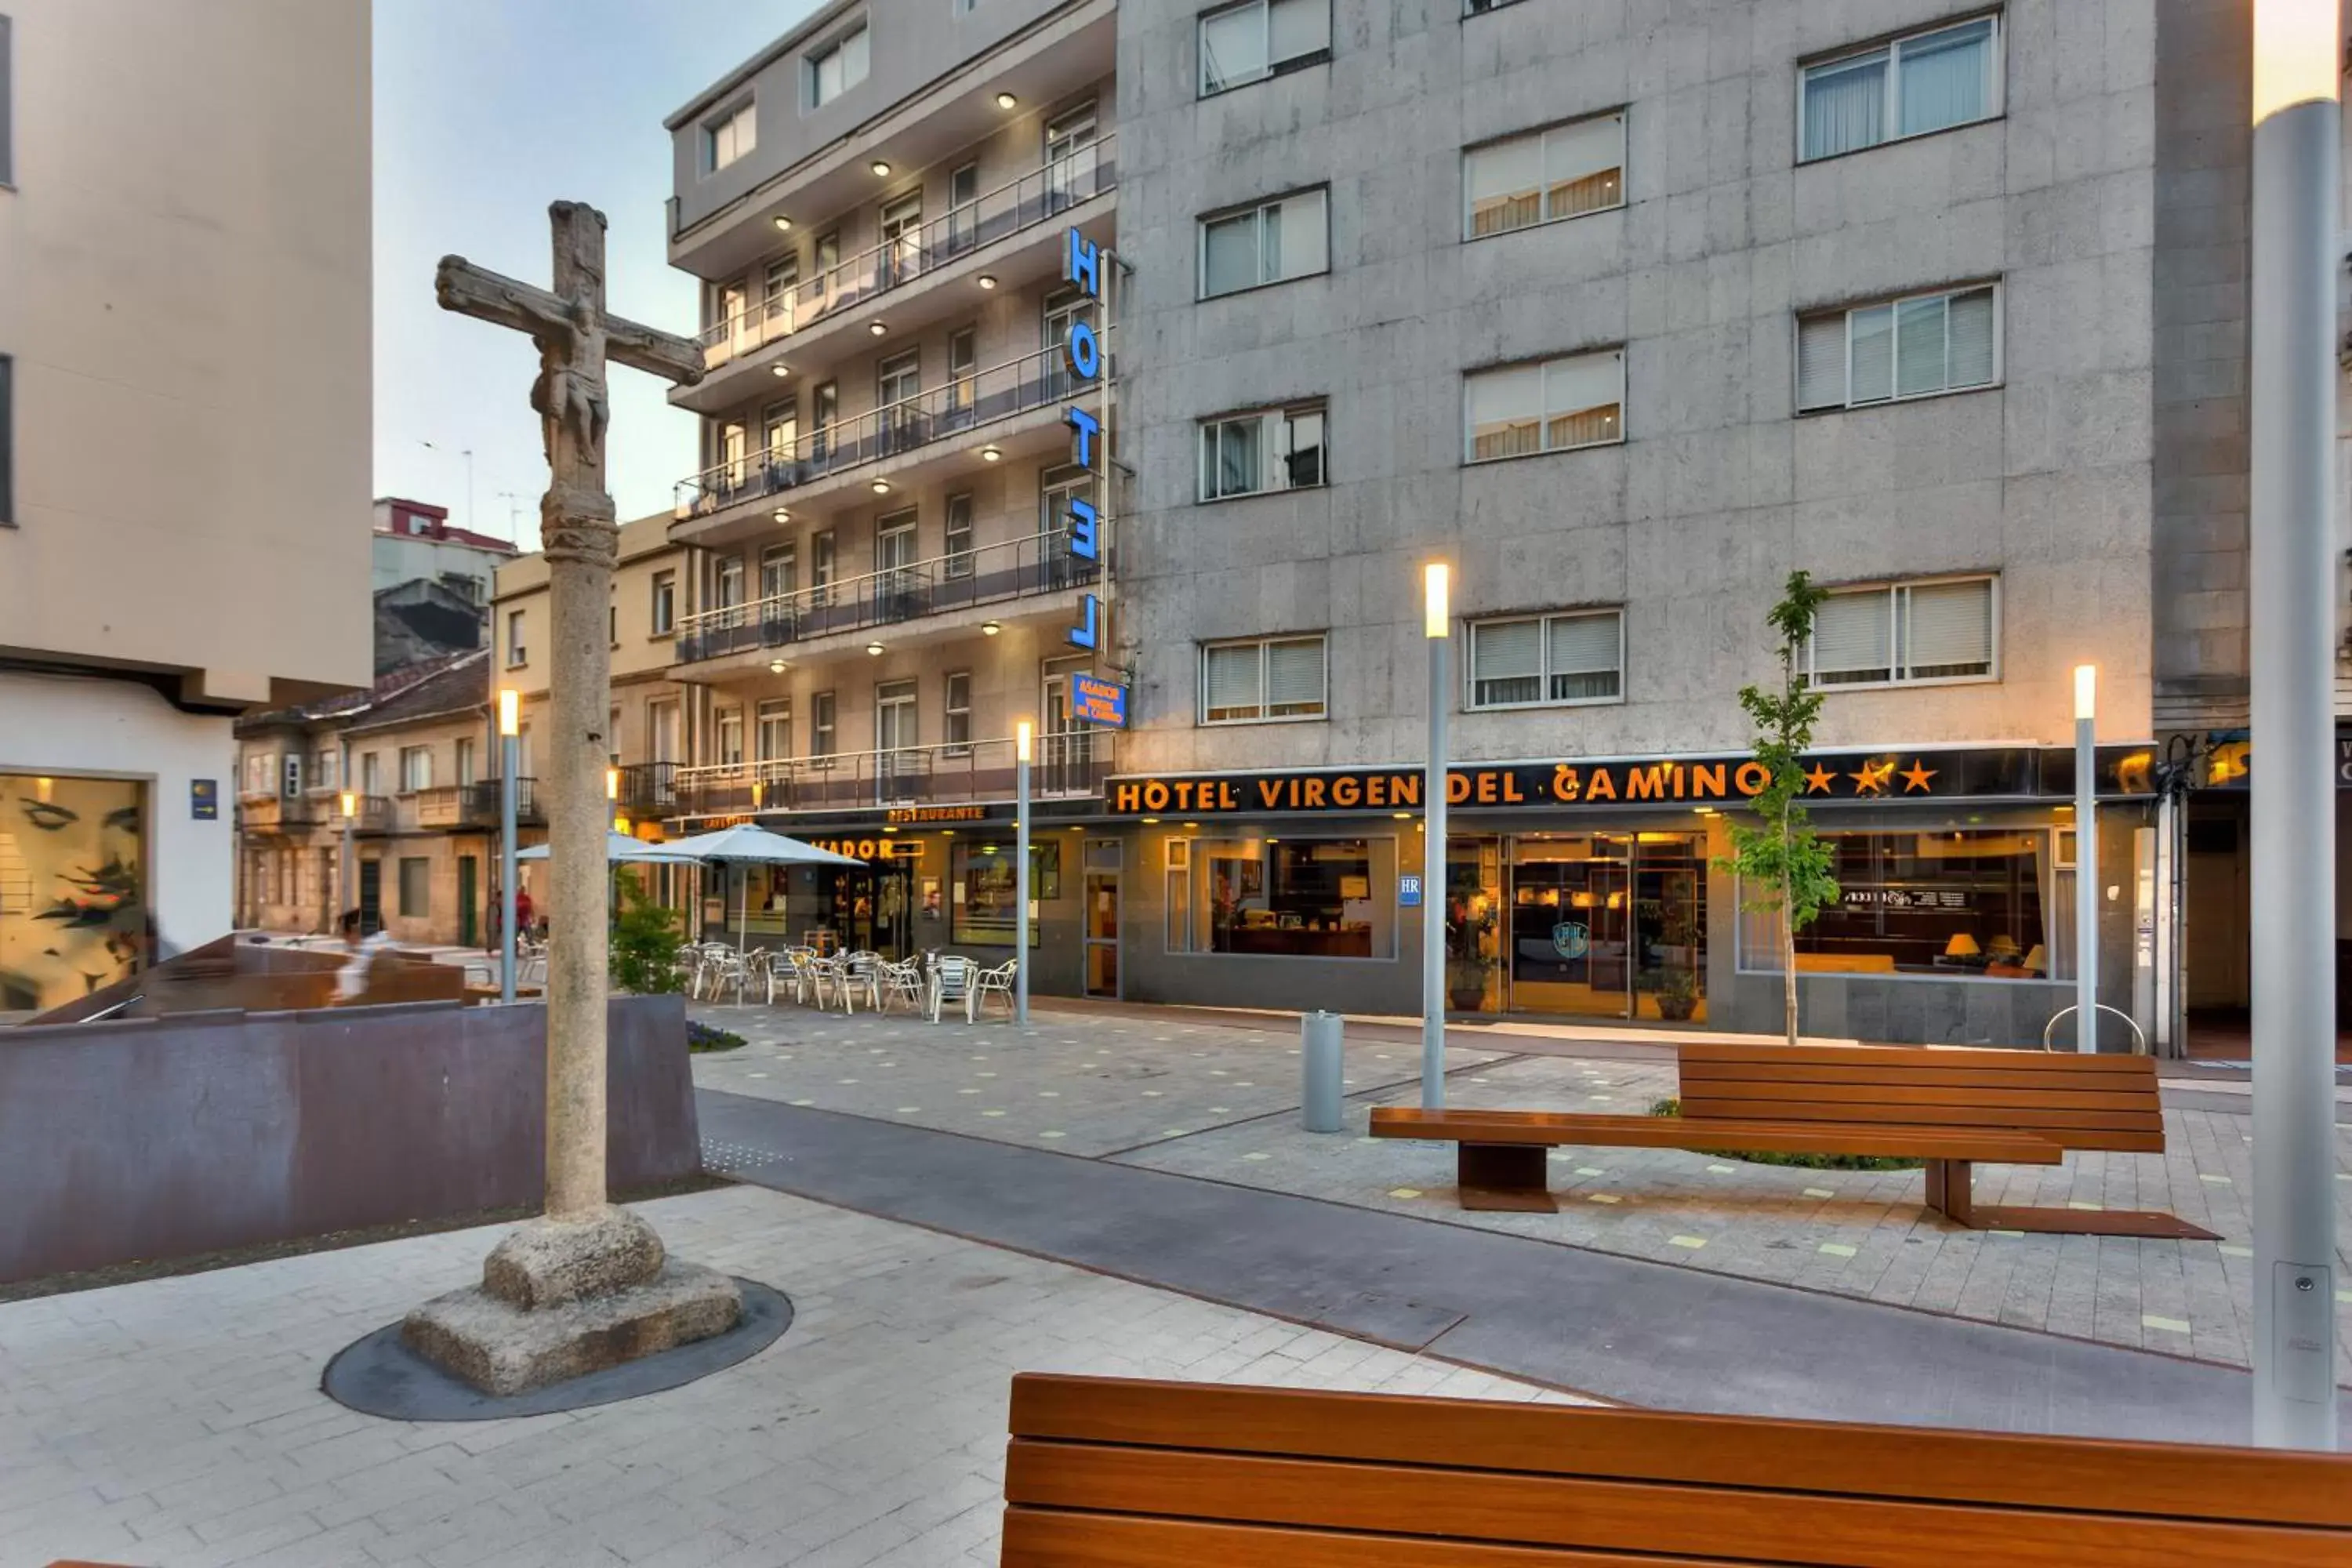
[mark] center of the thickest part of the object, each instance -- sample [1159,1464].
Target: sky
[486,110]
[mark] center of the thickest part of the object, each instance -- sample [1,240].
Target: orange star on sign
[1818,781]
[1873,778]
[1916,775]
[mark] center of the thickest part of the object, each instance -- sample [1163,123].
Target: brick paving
[1865,1235]
[178,1422]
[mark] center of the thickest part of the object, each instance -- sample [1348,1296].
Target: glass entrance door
[1102,856]
[1570,925]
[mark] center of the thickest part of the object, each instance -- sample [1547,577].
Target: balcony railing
[992,573]
[1074,764]
[374,815]
[951,411]
[1038,196]
[480,807]
[275,813]
[648,789]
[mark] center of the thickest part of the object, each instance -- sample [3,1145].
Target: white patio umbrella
[620,846]
[746,845]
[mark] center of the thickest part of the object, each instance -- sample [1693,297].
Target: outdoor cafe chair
[831,975]
[860,967]
[901,979]
[996,981]
[952,980]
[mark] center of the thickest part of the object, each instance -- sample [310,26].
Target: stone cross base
[560,1298]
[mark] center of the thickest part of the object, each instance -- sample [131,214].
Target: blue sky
[486,110]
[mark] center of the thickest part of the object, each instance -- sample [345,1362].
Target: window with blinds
[1244,454]
[1907,86]
[1259,39]
[1553,405]
[1268,243]
[1915,347]
[1543,176]
[1264,679]
[1529,661]
[1906,632]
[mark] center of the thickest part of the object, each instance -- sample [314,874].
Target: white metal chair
[862,970]
[831,976]
[901,979]
[996,981]
[952,980]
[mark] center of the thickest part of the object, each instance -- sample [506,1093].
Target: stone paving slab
[178,1422]
[1168,1093]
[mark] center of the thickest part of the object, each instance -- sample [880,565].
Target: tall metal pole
[2086,858]
[351,804]
[1436,625]
[2298,45]
[1023,734]
[510,763]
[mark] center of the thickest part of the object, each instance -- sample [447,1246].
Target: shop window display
[984,891]
[1297,898]
[1957,904]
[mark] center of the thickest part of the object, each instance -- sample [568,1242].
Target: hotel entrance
[1599,925]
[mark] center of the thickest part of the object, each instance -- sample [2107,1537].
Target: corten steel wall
[165,1137]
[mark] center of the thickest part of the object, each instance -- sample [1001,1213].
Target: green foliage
[1781,863]
[701,1036]
[644,940]
[1801,1162]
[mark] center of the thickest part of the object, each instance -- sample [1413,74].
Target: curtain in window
[1944,78]
[1873,373]
[1231,677]
[1582,166]
[1582,397]
[1232,47]
[1231,455]
[1229,254]
[1506,663]
[1294,678]
[1297,240]
[1585,658]
[1505,185]
[1970,338]
[1821,362]
[1947,629]
[1851,638]
[1506,412]
[1846,105]
[1919,347]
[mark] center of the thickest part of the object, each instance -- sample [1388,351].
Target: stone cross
[575,337]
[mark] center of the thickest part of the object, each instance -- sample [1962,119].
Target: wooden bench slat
[1993,1080]
[2066,1126]
[1626,1515]
[1917,1056]
[1998,1146]
[1058,1538]
[2180,1479]
[1984,1096]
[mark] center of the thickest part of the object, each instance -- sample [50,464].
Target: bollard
[1319,1061]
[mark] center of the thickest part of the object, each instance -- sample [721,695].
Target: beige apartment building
[184,413]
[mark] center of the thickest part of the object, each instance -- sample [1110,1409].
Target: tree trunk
[1788,953]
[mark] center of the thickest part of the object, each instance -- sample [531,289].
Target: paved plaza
[179,1422]
[1187,1094]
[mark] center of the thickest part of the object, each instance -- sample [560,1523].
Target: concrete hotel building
[184,407]
[1624,311]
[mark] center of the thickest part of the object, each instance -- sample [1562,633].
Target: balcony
[375,815]
[1067,766]
[648,789]
[1013,569]
[1060,192]
[947,419]
[273,814]
[480,807]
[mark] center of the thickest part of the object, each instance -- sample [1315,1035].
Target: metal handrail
[1020,204]
[990,574]
[1070,763]
[956,409]
[2140,1046]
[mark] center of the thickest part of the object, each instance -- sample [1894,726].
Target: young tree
[1781,863]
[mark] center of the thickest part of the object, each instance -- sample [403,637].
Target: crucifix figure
[582,1249]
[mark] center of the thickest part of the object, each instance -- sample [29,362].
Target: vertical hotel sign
[1082,350]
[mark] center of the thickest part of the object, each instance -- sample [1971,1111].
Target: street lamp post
[350,900]
[1023,736]
[1437,628]
[2298,50]
[2086,858]
[510,762]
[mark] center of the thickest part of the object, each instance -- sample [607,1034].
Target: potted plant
[1465,980]
[1469,927]
[1678,993]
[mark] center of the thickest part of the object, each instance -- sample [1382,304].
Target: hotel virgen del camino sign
[1921,776]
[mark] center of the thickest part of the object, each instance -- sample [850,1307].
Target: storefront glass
[1297,897]
[984,890]
[1957,904]
[1608,925]
[73,887]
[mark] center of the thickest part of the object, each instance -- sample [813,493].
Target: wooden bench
[1952,1107]
[1114,1473]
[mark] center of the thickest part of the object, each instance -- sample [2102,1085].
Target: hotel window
[825,412]
[959,535]
[731,737]
[726,582]
[1543,176]
[1908,87]
[730,136]
[665,609]
[956,706]
[1295,898]
[822,566]
[1532,661]
[1955,904]
[836,68]
[779,428]
[1917,346]
[1179,879]
[782,277]
[779,574]
[821,725]
[465,761]
[416,769]
[1259,39]
[1270,242]
[775,739]
[326,770]
[515,653]
[1268,679]
[371,781]
[415,887]
[260,773]
[1247,453]
[1557,405]
[1904,634]
[985,889]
